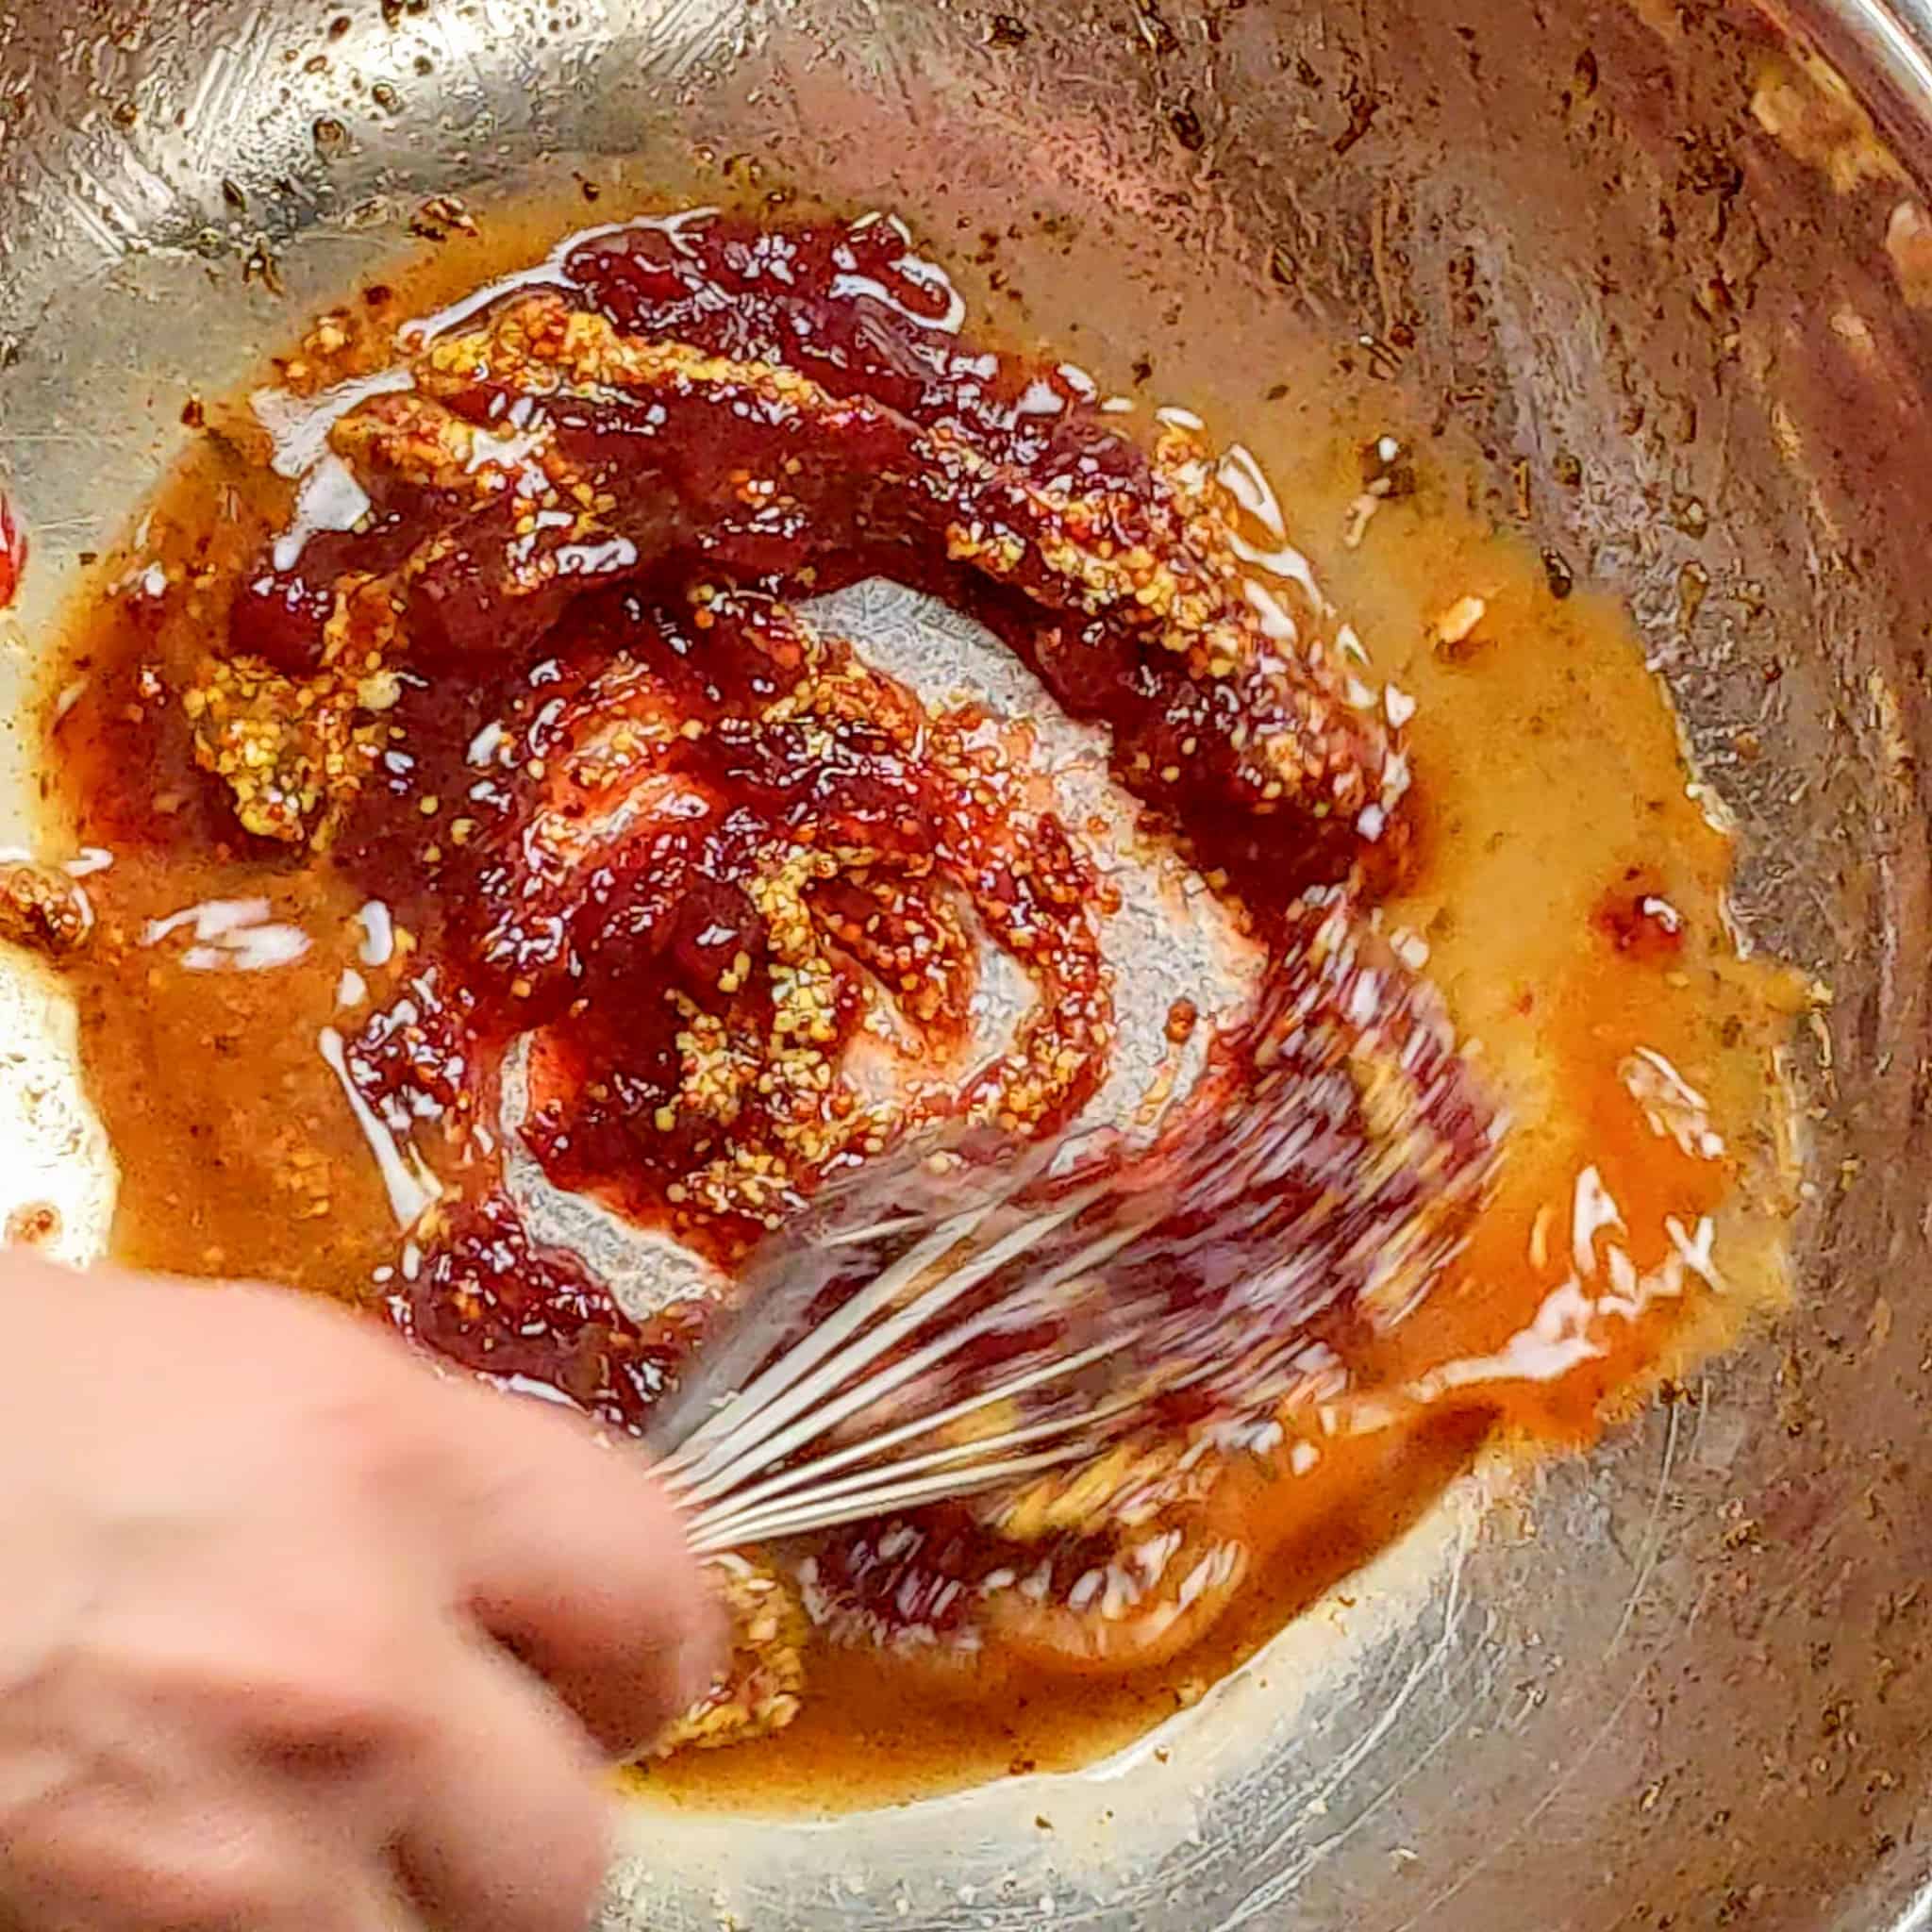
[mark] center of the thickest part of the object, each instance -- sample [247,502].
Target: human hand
[295,1634]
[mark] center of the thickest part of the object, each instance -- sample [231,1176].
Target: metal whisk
[950,1323]
[769,1455]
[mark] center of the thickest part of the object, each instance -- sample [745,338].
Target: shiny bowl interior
[1688,1681]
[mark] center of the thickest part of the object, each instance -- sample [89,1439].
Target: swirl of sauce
[718,889]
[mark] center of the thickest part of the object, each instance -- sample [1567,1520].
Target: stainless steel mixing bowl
[1685,243]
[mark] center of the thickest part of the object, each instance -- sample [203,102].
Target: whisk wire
[783,1512]
[724,1533]
[764,1462]
[813,1475]
[704,1441]
[876,1230]
[771,1425]
[872,1391]
[881,1488]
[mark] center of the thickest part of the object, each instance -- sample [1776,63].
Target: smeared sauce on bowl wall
[267,1014]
